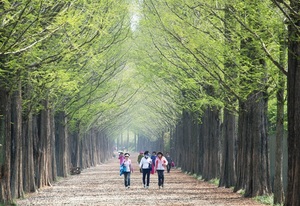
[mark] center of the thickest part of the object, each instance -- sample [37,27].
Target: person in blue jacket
[153,158]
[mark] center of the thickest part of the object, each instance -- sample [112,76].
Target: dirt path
[102,185]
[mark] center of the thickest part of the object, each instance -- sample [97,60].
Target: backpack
[122,169]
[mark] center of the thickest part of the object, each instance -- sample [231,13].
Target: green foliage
[138,64]
[266,199]
[214,181]
[68,54]
[242,192]
[272,115]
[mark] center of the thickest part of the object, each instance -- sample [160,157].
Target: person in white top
[160,164]
[129,169]
[146,166]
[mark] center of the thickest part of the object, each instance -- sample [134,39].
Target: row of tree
[74,74]
[224,65]
[59,67]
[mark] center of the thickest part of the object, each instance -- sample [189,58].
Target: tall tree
[293,85]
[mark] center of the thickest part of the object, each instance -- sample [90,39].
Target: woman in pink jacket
[121,157]
[160,164]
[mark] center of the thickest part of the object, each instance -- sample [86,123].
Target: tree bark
[62,145]
[228,175]
[252,155]
[211,144]
[16,149]
[293,190]
[29,181]
[5,135]
[278,182]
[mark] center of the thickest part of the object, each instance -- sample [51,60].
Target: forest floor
[102,185]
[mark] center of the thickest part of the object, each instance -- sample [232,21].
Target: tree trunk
[228,175]
[252,155]
[62,145]
[293,190]
[52,147]
[211,144]
[45,175]
[5,148]
[29,182]
[278,183]
[16,147]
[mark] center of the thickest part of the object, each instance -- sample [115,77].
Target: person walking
[160,164]
[141,155]
[153,158]
[128,170]
[169,159]
[146,165]
[121,157]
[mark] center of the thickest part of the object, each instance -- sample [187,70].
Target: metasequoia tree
[179,48]
[22,30]
[228,142]
[188,27]
[293,84]
[48,59]
[252,154]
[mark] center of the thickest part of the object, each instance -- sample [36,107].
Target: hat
[141,152]
[160,153]
[127,154]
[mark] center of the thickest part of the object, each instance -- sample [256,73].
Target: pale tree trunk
[16,165]
[29,182]
[278,184]
[52,162]
[45,174]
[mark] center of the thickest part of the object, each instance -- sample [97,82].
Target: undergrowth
[266,199]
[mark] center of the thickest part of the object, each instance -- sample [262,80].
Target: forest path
[102,185]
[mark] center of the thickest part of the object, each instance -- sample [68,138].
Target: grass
[266,199]
[8,204]
[214,181]
[242,192]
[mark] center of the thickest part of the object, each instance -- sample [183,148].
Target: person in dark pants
[160,164]
[129,169]
[146,165]
[153,158]
[169,159]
